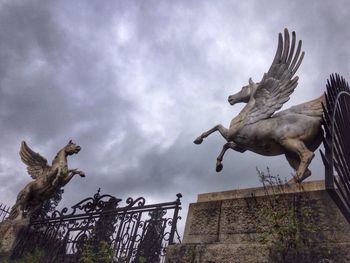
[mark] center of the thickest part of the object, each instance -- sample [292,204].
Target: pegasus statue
[295,132]
[47,179]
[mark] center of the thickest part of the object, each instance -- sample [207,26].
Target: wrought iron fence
[99,227]
[4,211]
[336,123]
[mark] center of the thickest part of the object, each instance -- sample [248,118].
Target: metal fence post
[175,217]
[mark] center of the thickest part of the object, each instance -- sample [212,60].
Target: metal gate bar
[336,124]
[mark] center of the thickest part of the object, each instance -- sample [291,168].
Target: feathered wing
[37,165]
[278,83]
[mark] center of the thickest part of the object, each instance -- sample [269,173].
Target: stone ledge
[222,227]
[259,191]
[235,220]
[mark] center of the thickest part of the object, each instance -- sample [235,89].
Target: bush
[102,253]
[291,233]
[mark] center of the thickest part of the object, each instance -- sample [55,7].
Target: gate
[100,228]
[336,123]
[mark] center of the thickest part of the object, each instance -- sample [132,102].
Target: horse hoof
[219,167]
[291,181]
[294,180]
[199,140]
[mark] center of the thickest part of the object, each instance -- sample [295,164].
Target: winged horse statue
[47,179]
[295,132]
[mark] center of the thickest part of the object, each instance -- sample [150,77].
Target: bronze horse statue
[47,179]
[295,132]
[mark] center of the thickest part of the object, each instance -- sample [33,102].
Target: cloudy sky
[135,82]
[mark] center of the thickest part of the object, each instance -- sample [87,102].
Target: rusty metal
[336,158]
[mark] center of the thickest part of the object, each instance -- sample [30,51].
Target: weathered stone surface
[227,226]
[214,253]
[9,232]
[259,191]
[239,220]
[203,223]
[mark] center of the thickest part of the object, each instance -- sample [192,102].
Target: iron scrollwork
[132,232]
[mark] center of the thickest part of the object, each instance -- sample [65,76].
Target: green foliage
[51,204]
[291,232]
[101,253]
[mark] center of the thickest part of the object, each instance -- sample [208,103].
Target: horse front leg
[76,171]
[228,145]
[71,173]
[223,131]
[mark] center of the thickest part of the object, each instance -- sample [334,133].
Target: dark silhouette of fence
[4,211]
[337,142]
[136,232]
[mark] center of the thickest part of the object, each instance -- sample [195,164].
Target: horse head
[71,148]
[244,94]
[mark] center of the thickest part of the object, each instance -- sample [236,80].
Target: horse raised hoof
[219,167]
[199,140]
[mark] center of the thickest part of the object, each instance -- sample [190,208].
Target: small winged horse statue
[47,179]
[295,132]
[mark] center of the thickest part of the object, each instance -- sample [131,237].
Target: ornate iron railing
[336,123]
[4,211]
[98,225]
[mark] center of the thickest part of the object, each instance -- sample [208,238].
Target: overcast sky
[135,82]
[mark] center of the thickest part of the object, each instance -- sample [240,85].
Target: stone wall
[227,227]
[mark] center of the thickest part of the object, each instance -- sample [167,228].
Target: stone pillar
[10,231]
[225,227]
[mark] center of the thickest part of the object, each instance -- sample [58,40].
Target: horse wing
[278,83]
[37,165]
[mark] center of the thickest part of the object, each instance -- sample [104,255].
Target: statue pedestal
[226,227]
[9,232]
